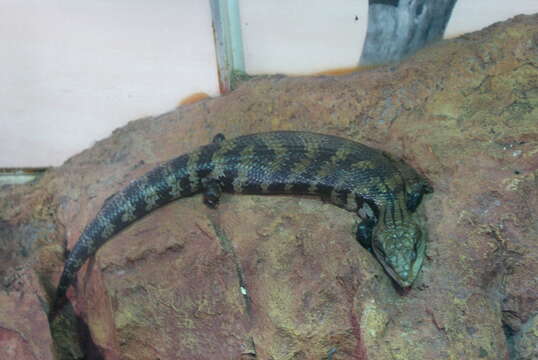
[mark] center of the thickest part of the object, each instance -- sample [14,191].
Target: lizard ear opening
[415,194]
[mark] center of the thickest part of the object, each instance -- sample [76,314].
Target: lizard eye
[414,254]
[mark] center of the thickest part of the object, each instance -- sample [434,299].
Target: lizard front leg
[366,225]
[212,191]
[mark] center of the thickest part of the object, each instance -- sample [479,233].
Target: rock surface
[282,277]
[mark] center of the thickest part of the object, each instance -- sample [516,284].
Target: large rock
[283,277]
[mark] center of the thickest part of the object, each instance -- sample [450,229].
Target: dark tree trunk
[397,28]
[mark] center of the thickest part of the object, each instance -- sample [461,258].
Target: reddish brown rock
[283,277]
[24,329]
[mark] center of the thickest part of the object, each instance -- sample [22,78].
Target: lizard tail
[177,178]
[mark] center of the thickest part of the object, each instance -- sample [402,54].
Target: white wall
[302,36]
[472,15]
[74,70]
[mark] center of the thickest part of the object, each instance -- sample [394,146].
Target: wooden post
[228,42]
[398,28]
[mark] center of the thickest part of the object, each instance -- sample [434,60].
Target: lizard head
[400,248]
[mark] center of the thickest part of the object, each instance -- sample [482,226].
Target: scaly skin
[384,192]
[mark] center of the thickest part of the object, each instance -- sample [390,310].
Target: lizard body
[384,192]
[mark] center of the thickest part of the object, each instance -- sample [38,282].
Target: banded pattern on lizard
[384,192]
